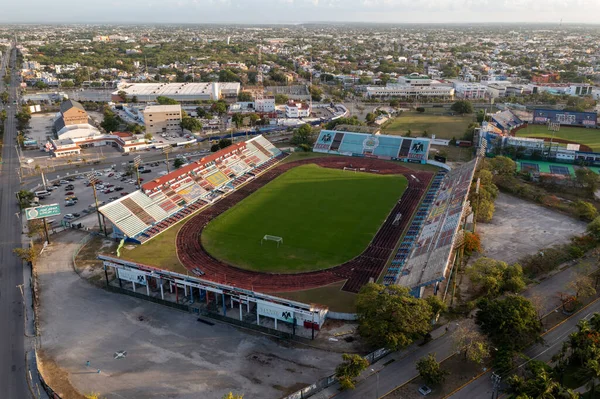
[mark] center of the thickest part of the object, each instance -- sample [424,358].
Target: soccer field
[589,137]
[325,217]
[443,126]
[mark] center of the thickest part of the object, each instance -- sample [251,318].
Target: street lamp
[166,151]
[136,162]
[377,386]
[93,181]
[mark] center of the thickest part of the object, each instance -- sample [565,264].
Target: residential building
[295,109]
[161,119]
[264,104]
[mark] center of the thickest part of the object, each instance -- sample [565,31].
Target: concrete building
[570,89]
[469,90]
[264,104]
[73,122]
[182,92]
[297,110]
[161,119]
[404,91]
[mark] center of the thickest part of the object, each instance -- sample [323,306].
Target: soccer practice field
[442,126]
[325,217]
[589,137]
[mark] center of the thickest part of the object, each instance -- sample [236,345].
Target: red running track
[356,272]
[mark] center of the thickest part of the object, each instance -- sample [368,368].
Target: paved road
[12,351]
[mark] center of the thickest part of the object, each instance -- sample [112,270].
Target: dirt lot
[169,353]
[520,228]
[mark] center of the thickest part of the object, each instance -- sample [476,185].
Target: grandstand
[431,254]
[373,146]
[164,201]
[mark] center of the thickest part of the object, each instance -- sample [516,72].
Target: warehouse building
[182,92]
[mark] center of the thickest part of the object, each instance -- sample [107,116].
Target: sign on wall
[44,211]
[133,276]
[273,311]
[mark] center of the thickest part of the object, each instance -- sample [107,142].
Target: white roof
[163,108]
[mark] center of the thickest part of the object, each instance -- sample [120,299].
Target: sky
[299,11]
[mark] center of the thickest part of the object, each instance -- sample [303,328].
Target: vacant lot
[589,137]
[442,126]
[325,217]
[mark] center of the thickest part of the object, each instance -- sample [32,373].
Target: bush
[420,109]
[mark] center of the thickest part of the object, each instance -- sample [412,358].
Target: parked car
[111,174]
[109,185]
[124,179]
[118,188]
[113,198]
[69,216]
[108,190]
[424,390]
[71,198]
[76,214]
[56,184]
[64,182]
[69,193]
[69,203]
[124,193]
[69,187]
[146,171]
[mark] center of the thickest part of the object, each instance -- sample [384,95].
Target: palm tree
[592,370]
[547,386]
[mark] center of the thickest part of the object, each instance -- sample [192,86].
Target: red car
[111,174]
[109,185]
[69,193]
[124,194]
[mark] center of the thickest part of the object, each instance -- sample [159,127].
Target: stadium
[295,235]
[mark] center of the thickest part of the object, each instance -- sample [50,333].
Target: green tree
[24,198]
[436,304]
[501,166]
[510,323]
[162,100]
[4,96]
[303,135]
[178,162]
[585,210]
[592,371]
[40,85]
[593,228]
[430,370]
[122,95]
[587,179]
[237,119]
[370,117]
[391,317]
[220,107]
[224,143]
[245,96]
[227,75]
[281,99]
[148,136]
[462,107]
[495,277]
[26,254]
[315,93]
[3,116]
[350,368]
[110,123]
[191,124]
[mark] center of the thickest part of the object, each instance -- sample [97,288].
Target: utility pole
[93,181]
[496,384]
[166,151]
[136,162]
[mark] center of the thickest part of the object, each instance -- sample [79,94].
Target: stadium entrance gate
[279,309]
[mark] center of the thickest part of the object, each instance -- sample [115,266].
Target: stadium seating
[356,272]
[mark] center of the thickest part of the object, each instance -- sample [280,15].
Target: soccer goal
[278,240]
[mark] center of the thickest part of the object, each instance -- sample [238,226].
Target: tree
[496,277]
[472,344]
[3,116]
[26,254]
[583,285]
[40,84]
[110,123]
[437,305]
[370,117]
[511,323]
[430,370]
[592,371]
[593,228]
[501,166]
[191,124]
[245,96]
[350,368]
[391,317]
[4,96]
[303,135]
[231,395]
[587,179]
[237,119]
[134,99]
[148,136]
[24,198]
[214,148]
[224,143]
[315,93]
[178,162]
[122,95]
[585,210]
[220,107]
[281,99]
[162,100]
[472,243]
[35,227]
[462,107]
[538,382]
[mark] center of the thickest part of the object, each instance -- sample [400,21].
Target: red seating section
[356,272]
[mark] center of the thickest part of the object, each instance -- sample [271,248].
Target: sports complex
[260,231]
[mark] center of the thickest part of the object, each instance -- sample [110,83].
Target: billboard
[44,211]
[373,145]
[132,275]
[570,118]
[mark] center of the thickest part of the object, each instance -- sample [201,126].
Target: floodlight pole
[136,161]
[166,151]
[92,179]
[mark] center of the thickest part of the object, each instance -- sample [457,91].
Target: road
[12,350]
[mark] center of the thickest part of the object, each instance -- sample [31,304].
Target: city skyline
[305,11]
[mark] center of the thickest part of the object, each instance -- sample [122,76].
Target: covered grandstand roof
[430,256]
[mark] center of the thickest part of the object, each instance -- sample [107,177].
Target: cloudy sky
[296,11]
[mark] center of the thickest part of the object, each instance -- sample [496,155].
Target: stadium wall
[378,146]
[585,119]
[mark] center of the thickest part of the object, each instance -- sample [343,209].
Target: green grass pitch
[589,137]
[443,126]
[325,216]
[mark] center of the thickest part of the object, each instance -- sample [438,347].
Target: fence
[328,381]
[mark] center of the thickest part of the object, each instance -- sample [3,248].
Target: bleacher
[170,198]
[425,254]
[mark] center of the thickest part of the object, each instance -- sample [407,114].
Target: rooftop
[163,108]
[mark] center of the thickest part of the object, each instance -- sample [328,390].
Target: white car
[69,216]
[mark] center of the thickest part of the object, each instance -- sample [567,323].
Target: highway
[12,351]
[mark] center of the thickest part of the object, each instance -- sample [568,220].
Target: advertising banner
[132,275]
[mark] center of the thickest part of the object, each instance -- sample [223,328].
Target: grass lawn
[325,216]
[331,296]
[443,126]
[159,252]
[589,137]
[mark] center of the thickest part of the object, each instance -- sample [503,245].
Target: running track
[356,272]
